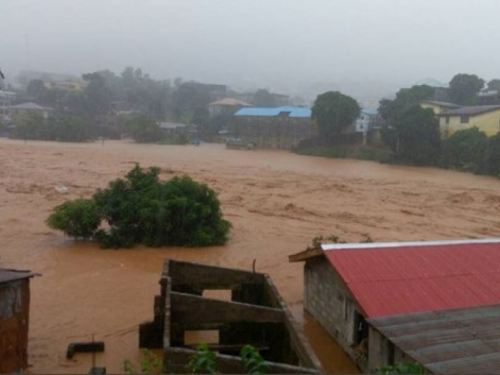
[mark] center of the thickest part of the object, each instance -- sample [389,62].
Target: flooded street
[276,201]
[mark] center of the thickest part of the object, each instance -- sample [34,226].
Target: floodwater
[277,202]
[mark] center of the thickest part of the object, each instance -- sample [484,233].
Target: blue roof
[275,111]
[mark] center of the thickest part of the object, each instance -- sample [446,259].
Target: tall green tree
[393,110]
[143,129]
[464,88]
[494,84]
[466,150]
[333,112]
[414,137]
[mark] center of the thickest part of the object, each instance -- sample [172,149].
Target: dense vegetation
[141,209]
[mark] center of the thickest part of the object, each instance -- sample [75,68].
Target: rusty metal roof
[458,341]
[397,278]
[8,275]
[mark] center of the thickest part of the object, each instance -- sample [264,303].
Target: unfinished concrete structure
[254,313]
[14,320]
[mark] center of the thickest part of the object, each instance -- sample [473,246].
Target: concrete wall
[329,302]
[487,122]
[273,132]
[14,321]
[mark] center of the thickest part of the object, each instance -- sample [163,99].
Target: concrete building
[14,320]
[484,117]
[276,128]
[65,84]
[351,289]
[235,308]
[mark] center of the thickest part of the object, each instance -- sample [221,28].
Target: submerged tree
[141,209]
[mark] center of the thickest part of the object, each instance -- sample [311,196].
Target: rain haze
[283,45]
[246,134]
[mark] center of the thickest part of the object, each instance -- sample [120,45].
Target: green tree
[414,137]
[97,96]
[333,112]
[464,88]
[29,126]
[73,129]
[494,84]
[492,157]
[466,150]
[393,110]
[79,218]
[143,129]
[141,209]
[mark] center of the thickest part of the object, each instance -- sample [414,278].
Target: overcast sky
[259,42]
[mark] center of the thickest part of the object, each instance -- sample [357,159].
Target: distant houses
[226,106]
[285,127]
[435,303]
[453,117]
[29,108]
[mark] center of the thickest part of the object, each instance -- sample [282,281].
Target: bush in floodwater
[141,209]
[79,218]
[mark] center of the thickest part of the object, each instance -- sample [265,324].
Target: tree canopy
[141,209]
[494,84]
[333,112]
[464,88]
[414,137]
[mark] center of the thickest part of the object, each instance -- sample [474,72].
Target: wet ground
[277,202]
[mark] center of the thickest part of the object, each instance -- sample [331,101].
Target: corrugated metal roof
[458,341]
[470,111]
[441,104]
[29,106]
[387,279]
[8,275]
[274,111]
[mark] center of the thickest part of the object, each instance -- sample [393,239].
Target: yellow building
[67,84]
[485,117]
[438,107]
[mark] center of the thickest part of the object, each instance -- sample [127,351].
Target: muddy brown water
[277,202]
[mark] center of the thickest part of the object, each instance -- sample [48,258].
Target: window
[464,119]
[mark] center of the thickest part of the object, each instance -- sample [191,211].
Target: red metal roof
[409,278]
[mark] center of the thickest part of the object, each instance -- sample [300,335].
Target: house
[226,309]
[276,127]
[362,129]
[484,117]
[226,106]
[173,127]
[438,107]
[351,289]
[67,84]
[28,108]
[14,319]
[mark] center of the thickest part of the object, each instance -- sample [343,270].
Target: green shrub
[401,368]
[79,218]
[492,156]
[203,361]
[141,209]
[253,361]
